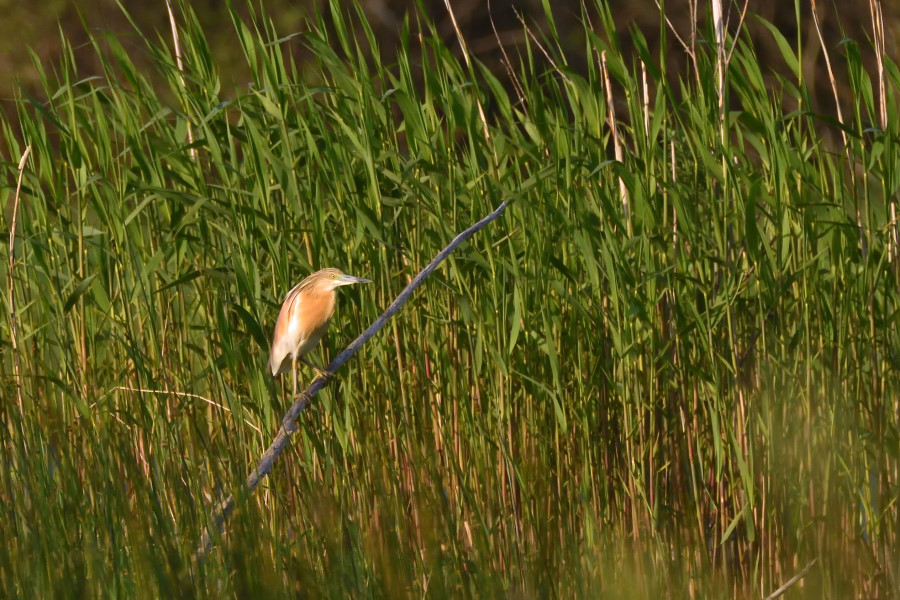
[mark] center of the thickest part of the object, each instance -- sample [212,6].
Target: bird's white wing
[285,338]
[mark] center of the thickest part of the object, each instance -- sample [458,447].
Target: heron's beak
[350,280]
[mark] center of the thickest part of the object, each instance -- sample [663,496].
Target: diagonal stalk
[288,425]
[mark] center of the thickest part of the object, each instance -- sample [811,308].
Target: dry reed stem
[878,43]
[12,298]
[465,51]
[646,95]
[840,114]
[177,394]
[737,32]
[719,28]
[540,47]
[617,144]
[879,47]
[689,49]
[791,581]
[180,63]
[831,79]
[507,64]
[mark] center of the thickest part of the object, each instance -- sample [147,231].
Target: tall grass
[694,398]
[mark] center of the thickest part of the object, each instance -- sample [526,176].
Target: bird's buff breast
[311,321]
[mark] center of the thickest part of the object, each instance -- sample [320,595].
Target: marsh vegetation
[669,370]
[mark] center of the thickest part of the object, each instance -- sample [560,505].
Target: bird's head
[329,279]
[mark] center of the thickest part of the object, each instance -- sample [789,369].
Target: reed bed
[670,370]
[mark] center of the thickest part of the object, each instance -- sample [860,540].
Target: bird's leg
[320,373]
[294,372]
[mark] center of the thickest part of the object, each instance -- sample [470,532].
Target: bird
[304,319]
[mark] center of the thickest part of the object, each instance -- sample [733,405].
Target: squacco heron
[304,319]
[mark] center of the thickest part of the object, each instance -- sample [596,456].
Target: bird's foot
[325,376]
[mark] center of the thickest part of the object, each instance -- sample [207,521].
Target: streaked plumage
[304,319]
